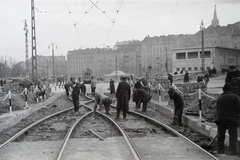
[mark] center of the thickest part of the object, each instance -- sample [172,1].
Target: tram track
[136,130]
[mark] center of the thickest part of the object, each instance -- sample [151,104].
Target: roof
[118,73]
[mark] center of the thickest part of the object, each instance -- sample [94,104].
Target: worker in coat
[178,105]
[123,96]
[144,97]
[135,98]
[83,88]
[75,96]
[112,87]
[67,86]
[102,100]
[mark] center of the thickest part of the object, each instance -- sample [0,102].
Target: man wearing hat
[228,110]
[178,105]
[233,73]
[75,96]
[123,96]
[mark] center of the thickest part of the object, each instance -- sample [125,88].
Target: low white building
[190,59]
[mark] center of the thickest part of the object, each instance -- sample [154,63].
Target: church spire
[215,21]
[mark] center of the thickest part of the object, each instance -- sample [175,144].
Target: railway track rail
[140,136]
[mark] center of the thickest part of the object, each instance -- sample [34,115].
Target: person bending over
[178,105]
[102,100]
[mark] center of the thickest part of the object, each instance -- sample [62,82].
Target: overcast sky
[74,24]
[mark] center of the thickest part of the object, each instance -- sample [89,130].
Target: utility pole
[166,64]
[26,48]
[53,57]
[34,47]
[202,28]
[116,69]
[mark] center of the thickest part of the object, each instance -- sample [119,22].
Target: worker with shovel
[178,106]
[144,97]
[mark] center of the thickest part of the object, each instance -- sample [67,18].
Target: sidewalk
[7,120]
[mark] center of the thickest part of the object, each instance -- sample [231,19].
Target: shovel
[209,146]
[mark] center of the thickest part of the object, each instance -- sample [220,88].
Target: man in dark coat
[233,73]
[112,87]
[178,104]
[144,97]
[67,86]
[170,78]
[123,96]
[228,110]
[75,96]
[206,78]
[101,99]
[186,77]
[1,82]
[83,88]
[93,86]
[135,98]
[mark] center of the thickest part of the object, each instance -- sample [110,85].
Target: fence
[196,100]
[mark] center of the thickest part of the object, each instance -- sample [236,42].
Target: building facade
[190,59]
[160,55]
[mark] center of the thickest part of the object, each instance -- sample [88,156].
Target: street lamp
[202,29]
[6,62]
[150,68]
[53,57]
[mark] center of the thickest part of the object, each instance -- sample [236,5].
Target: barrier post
[200,103]
[25,93]
[36,92]
[159,94]
[10,102]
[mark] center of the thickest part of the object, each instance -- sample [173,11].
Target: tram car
[87,75]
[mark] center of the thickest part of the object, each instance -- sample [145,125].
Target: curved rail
[175,132]
[59,156]
[32,125]
[37,122]
[126,137]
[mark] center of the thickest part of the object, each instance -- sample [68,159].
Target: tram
[87,75]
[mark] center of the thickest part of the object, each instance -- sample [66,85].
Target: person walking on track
[75,96]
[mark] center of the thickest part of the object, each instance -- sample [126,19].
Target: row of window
[192,55]
[191,69]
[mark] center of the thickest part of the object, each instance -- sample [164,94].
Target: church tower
[215,21]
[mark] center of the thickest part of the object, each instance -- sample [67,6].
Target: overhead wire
[113,22]
[86,12]
[74,24]
[100,10]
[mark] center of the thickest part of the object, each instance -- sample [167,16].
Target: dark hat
[78,84]
[227,87]
[232,67]
[171,91]
[123,77]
